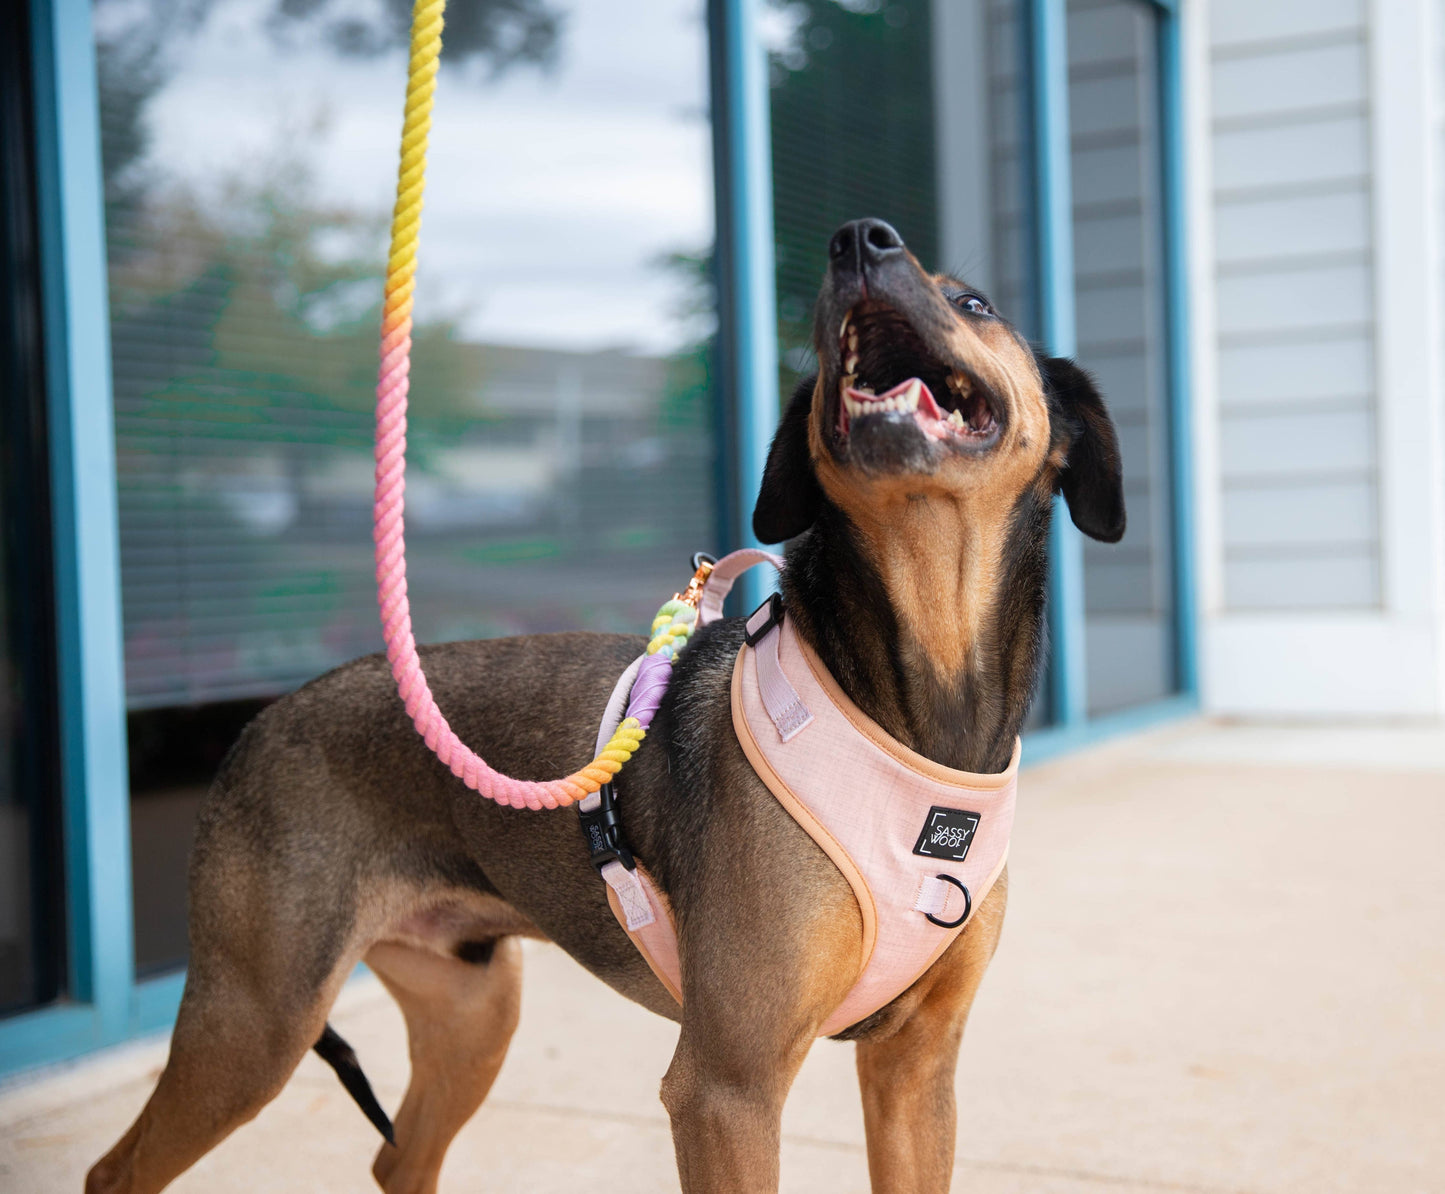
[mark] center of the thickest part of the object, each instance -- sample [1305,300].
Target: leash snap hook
[967,905]
[602,830]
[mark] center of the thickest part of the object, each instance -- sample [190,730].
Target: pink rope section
[411,682]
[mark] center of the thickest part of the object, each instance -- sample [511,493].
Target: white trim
[1376,663]
[1321,666]
[1412,538]
[1204,342]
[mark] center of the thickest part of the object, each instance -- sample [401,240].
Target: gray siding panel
[1322,581]
[1296,226]
[1297,154]
[1236,24]
[1293,299]
[1325,514]
[1290,82]
[1302,444]
[1310,373]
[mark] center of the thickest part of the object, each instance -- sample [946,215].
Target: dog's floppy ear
[1092,478]
[791,496]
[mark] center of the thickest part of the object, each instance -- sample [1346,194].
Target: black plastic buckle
[967,906]
[775,618]
[602,830]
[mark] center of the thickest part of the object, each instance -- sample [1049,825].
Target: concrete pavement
[1223,970]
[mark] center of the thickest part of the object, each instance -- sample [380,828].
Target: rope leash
[675,622]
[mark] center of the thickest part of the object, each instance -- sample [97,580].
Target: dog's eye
[975,303]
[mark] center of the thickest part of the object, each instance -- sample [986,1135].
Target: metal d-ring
[967,905]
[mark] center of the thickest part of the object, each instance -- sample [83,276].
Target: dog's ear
[791,497]
[1092,478]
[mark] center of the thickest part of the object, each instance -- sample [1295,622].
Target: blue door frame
[105,1004]
[1047,39]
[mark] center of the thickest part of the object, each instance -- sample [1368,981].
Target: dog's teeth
[909,400]
[851,364]
[866,389]
[956,418]
[843,327]
[852,341]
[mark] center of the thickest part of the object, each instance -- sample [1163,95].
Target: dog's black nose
[864,242]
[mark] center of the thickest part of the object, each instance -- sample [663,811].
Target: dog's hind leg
[460,1015]
[239,1035]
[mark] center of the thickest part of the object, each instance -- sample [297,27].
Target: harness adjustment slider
[602,829]
[774,606]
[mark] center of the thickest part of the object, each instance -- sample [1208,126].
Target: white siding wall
[1294,307]
[1316,215]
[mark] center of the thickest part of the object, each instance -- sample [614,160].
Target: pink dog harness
[920,844]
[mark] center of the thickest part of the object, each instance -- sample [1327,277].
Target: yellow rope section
[421,85]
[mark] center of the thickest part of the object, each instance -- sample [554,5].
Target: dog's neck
[939,646]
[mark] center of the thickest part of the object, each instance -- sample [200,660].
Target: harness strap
[725,573]
[624,881]
[785,707]
[640,689]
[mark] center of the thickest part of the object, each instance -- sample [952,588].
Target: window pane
[1119,289]
[844,149]
[560,455]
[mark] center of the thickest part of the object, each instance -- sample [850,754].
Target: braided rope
[392,387]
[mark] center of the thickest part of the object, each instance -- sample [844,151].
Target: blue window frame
[103,1004]
[104,1001]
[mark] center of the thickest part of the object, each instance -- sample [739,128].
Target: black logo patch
[948,833]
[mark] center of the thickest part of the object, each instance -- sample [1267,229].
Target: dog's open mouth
[888,370]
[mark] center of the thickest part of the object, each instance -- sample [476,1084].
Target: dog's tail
[341,1057]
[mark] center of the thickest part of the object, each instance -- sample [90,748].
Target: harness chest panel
[891,820]
[920,844]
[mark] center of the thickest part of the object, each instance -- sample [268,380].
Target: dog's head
[924,392]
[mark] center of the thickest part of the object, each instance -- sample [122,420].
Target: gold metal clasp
[692,595]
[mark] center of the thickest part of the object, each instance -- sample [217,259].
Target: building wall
[1317,365]
[1297,403]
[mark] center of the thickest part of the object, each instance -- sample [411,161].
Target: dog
[917,571]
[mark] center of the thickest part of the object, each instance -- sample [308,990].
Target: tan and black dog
[332,835]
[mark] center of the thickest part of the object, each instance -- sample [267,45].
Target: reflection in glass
[560,457]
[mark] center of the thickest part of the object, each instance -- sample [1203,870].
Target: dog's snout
[861,243]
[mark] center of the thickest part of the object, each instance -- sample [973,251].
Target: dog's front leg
[907,1077]
[724,1092]
[757,985]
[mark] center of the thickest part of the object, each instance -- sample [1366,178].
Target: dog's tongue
[907,397]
